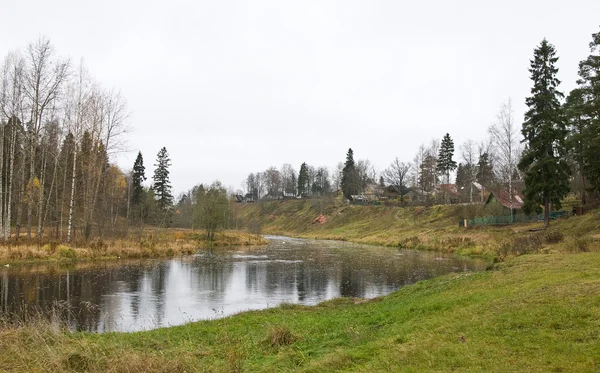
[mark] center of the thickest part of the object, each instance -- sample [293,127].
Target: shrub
[66,252]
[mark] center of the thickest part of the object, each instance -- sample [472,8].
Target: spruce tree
[577,123]
[138,176]
[350,177]
[445,162]
[162,185]
[589,85]
[485,171]
[543,164]
[303,180]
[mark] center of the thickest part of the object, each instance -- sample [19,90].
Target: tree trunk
[62,199]
[9,182]
[31,185]
[50,193]
[1,181]
[72,199]
[510,196]
[546,210]
[40,211]
[471,193]
[20,203]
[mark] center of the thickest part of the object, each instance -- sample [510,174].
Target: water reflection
[137,295]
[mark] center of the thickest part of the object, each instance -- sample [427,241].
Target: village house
[503,198]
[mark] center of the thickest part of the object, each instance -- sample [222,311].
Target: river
[127,295]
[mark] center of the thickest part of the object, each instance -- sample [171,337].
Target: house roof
[503,197]
[448,188]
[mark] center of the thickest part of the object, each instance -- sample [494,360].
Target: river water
[139,295]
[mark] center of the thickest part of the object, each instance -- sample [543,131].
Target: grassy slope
[433,228]
[533,313]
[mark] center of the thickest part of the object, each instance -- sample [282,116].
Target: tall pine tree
[350,178]
[577,127]
[543,162]
[445,163]
[589,85]
[138,176]
[303,180]
[162,186]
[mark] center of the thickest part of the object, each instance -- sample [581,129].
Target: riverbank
[424,228]
[530,313]
[147,244]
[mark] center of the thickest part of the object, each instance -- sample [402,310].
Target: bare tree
[44,77]
[469,155]
[288,179]
[366,173]
[76,115]
[273,181]
[397,176]
[12,109]
[337,176]
[418,161]
[506,141]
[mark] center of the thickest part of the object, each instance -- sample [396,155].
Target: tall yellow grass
[148,244]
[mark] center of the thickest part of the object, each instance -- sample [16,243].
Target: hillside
[428,228]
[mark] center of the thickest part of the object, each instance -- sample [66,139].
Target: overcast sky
[233,87]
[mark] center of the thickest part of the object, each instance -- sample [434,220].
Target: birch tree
[11,108]
[44,77]
[469,156]
[506,140]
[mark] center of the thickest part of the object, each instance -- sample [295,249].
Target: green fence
[508,219]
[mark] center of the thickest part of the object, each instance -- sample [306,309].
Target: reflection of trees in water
[212,276]
[75,297]
[132,293]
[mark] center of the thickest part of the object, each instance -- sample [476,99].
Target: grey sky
[232,87]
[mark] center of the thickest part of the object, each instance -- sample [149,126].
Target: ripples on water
[137,295]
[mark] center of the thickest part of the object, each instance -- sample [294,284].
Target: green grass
[533,313]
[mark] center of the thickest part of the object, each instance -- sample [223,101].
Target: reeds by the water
[166,243]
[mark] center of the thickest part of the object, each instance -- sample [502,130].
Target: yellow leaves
[33,191]
[116,181]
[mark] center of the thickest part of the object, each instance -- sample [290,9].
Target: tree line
[554,153]
[58,128]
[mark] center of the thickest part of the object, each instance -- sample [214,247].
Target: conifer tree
[350,178]
[303,180]
[589,85]
[162,184]
[485,170]
[137,178]
[543,164]
[445,163]
[577,123]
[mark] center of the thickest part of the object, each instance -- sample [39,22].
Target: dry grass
[149,244]
[423,228]
[280,336]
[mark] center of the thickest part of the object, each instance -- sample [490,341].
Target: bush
[66,252]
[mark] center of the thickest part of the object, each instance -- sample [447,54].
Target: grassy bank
[428,228]
[148,244]
[533,313]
